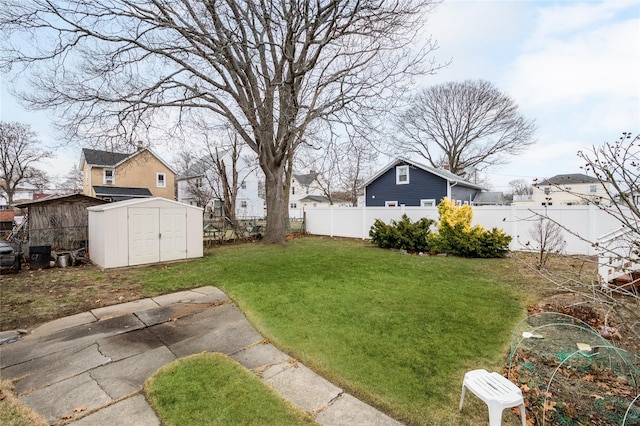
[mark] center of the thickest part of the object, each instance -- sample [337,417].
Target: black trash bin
[39,257]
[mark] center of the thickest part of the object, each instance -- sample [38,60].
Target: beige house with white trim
[117,176]
[567,190]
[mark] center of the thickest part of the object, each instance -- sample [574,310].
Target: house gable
[142,169]
[423,184]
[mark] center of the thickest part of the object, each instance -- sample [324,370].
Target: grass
[398,331]
[212,389]
[13,412]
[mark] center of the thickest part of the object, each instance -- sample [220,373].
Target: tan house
[115,176]
[567,190]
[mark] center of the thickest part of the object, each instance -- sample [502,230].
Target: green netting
[571,375]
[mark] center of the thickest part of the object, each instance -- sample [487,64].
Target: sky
[572,66]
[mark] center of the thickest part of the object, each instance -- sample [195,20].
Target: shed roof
[140,202]
[65,197]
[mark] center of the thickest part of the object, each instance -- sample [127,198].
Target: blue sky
[573,66]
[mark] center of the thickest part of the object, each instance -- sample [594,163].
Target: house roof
[56,197]
[321,199]
[315,198]
[445,174]
[565,179]
[120,193]
[305,179]
[198,168]
[98,158]
[492,198]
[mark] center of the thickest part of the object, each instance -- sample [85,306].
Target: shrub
[403,234]
[456,235]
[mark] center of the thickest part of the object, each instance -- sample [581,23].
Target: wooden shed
[142,231]
[59,221]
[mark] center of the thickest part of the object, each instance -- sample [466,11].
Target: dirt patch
[31,297]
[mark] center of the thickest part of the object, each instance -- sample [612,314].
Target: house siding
[463,194]
[138,171]
[422,185]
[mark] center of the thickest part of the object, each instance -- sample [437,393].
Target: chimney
[140,146]
[446,166]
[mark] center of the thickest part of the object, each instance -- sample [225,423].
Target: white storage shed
[144,230]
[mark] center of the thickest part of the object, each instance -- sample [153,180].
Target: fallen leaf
[549,405]
[597,396]
[67,416]
[80,409]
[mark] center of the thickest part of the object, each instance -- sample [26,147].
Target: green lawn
[214,390]
[397,331]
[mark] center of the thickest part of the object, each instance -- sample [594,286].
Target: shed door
[144,230]
[173,234]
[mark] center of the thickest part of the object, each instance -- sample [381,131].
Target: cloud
[579,53]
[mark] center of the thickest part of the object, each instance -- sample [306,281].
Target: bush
[403,234]
[456,235]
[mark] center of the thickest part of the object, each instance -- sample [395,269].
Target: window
[429,202]
[293,206]
[402,175]
[199,182]
[109,177]
[293,190]
[161,180]
[547,191]
[593,189]
[391,204]
[243,204]
[243,185]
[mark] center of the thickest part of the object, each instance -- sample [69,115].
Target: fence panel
[583,224]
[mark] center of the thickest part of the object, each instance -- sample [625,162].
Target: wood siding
[422,185]
[62,224]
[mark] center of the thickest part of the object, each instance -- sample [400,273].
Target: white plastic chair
[496,391]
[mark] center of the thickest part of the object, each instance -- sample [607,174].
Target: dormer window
[402,175]
[109,177]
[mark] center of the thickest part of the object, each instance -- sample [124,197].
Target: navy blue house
[406,182]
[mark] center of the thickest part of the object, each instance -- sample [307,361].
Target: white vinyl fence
[583,225]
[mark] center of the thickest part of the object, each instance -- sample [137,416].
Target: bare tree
[343,165]
[548,239]
[521,187]
[616,165]
[465,125]
[19,155]
[218,172]
[269,68]
[72,181]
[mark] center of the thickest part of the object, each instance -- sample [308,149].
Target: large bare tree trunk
[277,210]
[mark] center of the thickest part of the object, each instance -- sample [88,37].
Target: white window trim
[113,177]
[428,202]
[398,174]
[391,204]
[163,183]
